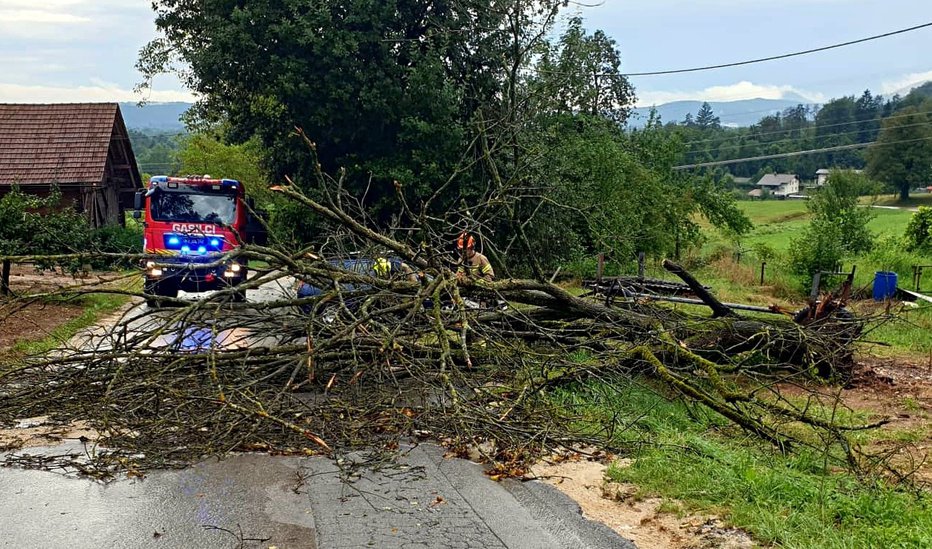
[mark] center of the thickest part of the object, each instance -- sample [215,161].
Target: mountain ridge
[160,117]
[743,112]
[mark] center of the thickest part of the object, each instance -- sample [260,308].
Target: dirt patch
[24,279]
[897,391]
[20,321]
[40,431]
[34,321]
[643,521]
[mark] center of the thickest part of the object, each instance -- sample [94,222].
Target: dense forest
[156,151]
[841,122]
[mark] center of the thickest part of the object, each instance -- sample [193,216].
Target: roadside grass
[910,331]
[799,500]
[890,222]
[96,306]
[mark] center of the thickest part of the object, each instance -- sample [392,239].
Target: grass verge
[691,455]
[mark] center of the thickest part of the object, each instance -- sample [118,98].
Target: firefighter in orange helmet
[473,265]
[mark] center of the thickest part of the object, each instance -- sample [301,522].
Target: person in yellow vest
[473,265]
[390,268]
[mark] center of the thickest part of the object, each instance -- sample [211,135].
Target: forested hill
[731,113]
[839,123]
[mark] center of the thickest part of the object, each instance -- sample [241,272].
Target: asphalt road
[245,501]
[258,501]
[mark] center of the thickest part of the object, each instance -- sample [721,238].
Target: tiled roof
[776,179]
[62,143]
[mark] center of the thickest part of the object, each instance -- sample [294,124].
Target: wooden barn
[81,148]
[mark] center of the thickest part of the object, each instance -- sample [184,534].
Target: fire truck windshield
[194,208]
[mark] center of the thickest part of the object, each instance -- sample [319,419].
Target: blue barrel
[884,285]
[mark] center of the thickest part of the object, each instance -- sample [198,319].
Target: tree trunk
[5,277]
[904,192]
[718,309]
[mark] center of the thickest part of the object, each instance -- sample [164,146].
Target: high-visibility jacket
[477,267]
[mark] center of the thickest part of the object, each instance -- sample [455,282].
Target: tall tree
[387,89]
[902,156]
[867,110]
[706,119]
[836,125]
[582,73]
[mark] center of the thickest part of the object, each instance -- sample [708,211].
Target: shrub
[116,240]
[838,227]
[819,248]
[764,251]
[893,254]
[919,231]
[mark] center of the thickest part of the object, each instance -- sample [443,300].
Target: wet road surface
[261,501]
[427,501]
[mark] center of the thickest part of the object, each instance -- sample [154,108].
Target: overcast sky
[85,50]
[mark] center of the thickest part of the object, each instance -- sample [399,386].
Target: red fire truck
[190,223]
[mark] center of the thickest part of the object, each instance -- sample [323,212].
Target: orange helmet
[465,241]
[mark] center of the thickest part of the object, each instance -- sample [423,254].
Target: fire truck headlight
[155,272]
[235,267]
[150,264]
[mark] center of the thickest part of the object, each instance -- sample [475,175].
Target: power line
[783,56]
[771,132]
[760,59]
[744,137]
[795,153]
[791,139]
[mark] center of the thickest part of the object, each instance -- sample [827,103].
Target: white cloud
[100,92]
[905,83]
[31,4]
[733,92]
[66,20]
[34,24]
[40,17]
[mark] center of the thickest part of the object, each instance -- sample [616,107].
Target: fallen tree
[369,360]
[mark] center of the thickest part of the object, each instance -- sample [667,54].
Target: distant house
[83,149]
[821,177]
[779,184]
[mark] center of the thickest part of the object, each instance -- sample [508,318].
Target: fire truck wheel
[160,289]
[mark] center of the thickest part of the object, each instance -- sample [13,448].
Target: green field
[776,222]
